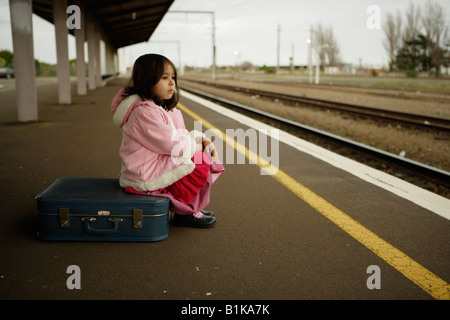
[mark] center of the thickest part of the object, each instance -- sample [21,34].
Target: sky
[247,30]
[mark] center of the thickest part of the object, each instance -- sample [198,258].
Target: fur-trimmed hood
[121,108]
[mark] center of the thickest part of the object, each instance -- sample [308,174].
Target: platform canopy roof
[123,23]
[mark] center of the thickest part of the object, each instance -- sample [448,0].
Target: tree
[332,48]
[412,23]
[326,45]
[413,57]
[8,57]
[393,43]
[436,32]
[246,66]
[422,44]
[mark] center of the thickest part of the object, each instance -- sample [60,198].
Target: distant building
[349,68]
[332,70]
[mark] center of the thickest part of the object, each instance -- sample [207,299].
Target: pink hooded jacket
[156,148]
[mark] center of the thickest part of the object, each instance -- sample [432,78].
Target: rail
[417,167]
[427,122]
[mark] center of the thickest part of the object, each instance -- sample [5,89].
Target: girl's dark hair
[148,69]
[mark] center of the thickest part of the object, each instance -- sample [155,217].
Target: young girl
[159,156]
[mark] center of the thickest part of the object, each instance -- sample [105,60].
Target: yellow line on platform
[425,279]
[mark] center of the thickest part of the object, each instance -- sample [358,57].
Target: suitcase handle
[112,230]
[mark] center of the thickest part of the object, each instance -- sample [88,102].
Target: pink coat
[156,148]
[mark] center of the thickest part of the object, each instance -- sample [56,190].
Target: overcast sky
[246,30]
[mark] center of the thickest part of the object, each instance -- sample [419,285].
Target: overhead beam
[125,26]
[119,15]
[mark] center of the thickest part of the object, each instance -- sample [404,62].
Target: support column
[98,65]
[116,61]
[80,35]
[22,36]
[90,34]
[110,59]
[62,51]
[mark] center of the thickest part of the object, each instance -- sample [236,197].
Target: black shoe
[193,222]
[207,213]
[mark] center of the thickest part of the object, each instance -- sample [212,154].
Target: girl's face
[165,87]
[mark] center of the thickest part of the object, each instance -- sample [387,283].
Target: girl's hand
[199,144]
[209,147]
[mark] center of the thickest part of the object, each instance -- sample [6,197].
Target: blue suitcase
[98,209]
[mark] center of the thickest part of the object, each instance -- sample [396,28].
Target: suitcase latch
[137,218]
[63,217]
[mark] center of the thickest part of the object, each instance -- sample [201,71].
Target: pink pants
[191,193]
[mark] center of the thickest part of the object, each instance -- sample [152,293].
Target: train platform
[314,226]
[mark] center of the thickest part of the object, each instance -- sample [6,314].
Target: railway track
[413,120]
[422,175]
